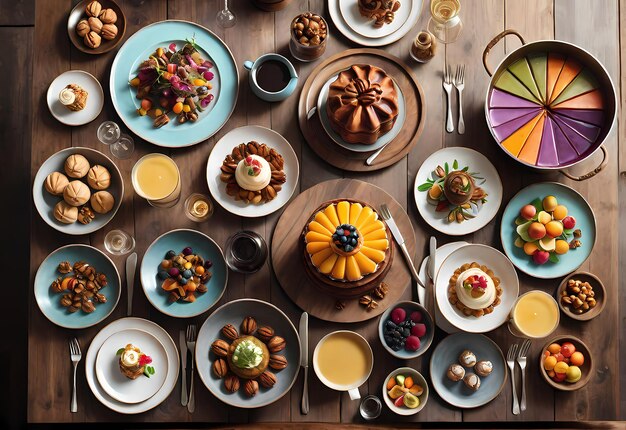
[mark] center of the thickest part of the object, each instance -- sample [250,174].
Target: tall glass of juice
[156,178]
[535,315]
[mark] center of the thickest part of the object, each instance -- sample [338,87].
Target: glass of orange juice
[156,178]
[534,315]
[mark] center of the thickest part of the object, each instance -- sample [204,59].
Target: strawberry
[441,206]
[144,359]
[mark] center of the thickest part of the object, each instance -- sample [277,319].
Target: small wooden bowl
[79,13]
[586,369]
[599,295]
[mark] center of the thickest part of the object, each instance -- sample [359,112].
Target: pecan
[100,298]
[220,348]
[248,325]
[277,362]
[225,177]
[276,344]
[66,300]
[339,305]
[381,290]
[267,379]
[56,285]
[251,387]
[161,120]
[88,306]
[253,147]
[265,333]
[368,302]
[220,368]
[231,382]
[230,331]
[271,192]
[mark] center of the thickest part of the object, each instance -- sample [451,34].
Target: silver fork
[459,83]
[510,361]
[191,345]
[447,85]
[521,360]
[75,356]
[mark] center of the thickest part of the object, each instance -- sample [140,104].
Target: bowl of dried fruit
[581,296]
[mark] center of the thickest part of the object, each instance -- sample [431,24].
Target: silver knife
[395,232]
[182,342]
[430,270]
[303,331]
[131,265]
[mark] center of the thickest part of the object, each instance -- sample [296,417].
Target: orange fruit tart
[347,248]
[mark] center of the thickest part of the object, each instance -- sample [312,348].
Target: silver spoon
[372,157]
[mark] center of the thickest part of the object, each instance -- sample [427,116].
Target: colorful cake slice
[590,100]
[514,142]
[570,70]
[591,116]
[555,64]
[511,84]
[501,99]
[547,149]
[508,128]
[583,83]
[501,116]
[564,150]
[588,131]
[521,70]
[580,144]
[530,150]
[538,65]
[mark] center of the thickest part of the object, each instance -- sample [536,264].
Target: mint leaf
[455,165]
[537,203]
[446,167]
[553,258]
[425,187]
[119,351]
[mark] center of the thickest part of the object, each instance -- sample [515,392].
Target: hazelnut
[93,8]
[219,348]
[276,344]
[108,16]
[109,31]
[231,382]
[95,24]
[230,331]
[277,362]
[251,387]
[82,28]
[267,379]
[92,39]
[220,368]
[248,326]
[265,333]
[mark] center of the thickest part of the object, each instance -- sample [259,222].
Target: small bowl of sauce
[272,77]
[246,252]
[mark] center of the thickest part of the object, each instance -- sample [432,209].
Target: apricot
[549,203]
[554,348]
[554,229]
[544,217]
[559,212]
[567,349]
[573,374]
[528,212]
[561,247]
[561,367]
[559,377]
[577,359]
[541,257]
[536,231]
[530,248]
[549,363]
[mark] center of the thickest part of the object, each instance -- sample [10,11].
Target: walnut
[93,8]
[64,267]
[381,290]
[339,305]
[86,215]
[92,40]
[368,302]
[276,344]
[309,29]
[230,331]
[248,326]
[95,24]
[108,16]
[109,31]
[82,28]
[251,387]
[220,368]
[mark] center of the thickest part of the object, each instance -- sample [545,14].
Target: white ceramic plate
[355,147]
[172,366]
[476,163]
[442,253]
[244,135]
[111,379]
[502,268]
[344,28]
[365,27]
[95,98]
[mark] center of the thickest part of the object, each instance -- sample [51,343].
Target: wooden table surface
[591,25]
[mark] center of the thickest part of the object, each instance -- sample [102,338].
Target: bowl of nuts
[96,27]
[581,296]
[309,33]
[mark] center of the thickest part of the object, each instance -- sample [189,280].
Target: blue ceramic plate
[425,340]
[45,202]
[265,314]
[456,393]
[577,207]
[139,47]
[177,240]
[50,302]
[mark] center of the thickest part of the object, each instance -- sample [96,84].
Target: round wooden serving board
[340,157]
[289,266]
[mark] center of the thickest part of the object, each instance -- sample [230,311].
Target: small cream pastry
[99,177]
[472,381]
[102,202]
[65,213]
[483,368]
[253,173]
[456,372]
[467,358]
[76,166]
[130,358]
[76,193]
[55,183]
[67,96]
[475,298]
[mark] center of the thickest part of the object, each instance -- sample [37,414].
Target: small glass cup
[226,18]
[198,207]
[444,22]
[544,307]
[118,242]
[370,407]
[246,252]
[306,53]
[161,166]
[120,145]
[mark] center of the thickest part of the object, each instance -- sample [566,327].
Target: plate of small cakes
[476,287]
[248,353]
[75,97]
[252,171]
[457,191]
[78,190]
[183,273]
[467,370]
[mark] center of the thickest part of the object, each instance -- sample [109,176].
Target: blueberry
[397,335]
[343,239]
[183,281]
[402,344]
[406,332]
[339,231]
[390,324]
[396,347]
[162,274]
[208,264]
[170,254]
[388,339]
[187,274]
[348,248]
[187,251]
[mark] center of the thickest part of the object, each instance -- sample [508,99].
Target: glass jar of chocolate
[309,34]
[423,47]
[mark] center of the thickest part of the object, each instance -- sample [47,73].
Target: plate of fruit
[406,330]
[405,391]
[548,230]
[566,363]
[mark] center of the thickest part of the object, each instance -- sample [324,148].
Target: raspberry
[416,316]
[418,330]
[398,315]
[412,343]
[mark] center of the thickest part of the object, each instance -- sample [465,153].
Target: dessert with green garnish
[248,357]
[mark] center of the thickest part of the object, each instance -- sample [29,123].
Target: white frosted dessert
[67,96]
[475,289]
[130,357]
[247,355]
[253,173]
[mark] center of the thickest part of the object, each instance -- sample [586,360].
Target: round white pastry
[130,357]
[465,296]
[253,182]
[67,96]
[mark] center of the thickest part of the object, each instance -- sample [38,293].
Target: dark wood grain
[17,12]
[621,198]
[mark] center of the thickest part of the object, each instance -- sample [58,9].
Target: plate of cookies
[75,98]
[78,190]
[252,171]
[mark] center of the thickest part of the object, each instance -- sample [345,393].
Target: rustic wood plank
[575,22]
[621,198]
[17,12]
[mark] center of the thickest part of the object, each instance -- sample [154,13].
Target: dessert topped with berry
[253,173]
[475,289]
[347,239]
[134,363]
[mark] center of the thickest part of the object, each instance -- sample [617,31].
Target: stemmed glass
[444,22]
[121,145]
[118,242]
[225,18]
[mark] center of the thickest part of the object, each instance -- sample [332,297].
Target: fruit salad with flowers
[174,81]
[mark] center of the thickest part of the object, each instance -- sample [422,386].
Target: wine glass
[225,18]
[120,145]
[118,242]
[444,22]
